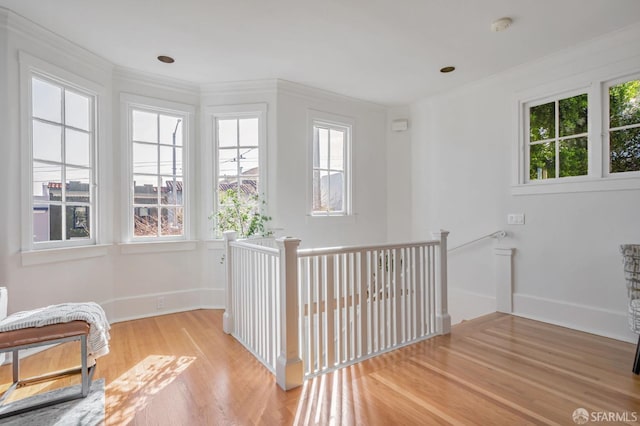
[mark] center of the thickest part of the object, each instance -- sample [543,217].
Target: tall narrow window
[558,138]
[330,195]
[157,146]
[624,127]
[238,158]
[62,147]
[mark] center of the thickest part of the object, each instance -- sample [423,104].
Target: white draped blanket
[90,312]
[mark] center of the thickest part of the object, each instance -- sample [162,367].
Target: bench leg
[16,367]
[85,373]
[636,364]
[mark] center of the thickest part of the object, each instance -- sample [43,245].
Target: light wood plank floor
[181,369]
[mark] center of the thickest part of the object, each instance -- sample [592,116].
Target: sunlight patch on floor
[133,390]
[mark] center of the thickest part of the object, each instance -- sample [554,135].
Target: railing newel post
[227,318]
[289,371]
[443,319]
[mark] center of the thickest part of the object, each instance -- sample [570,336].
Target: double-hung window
[62,129]
[158,144]
[239,137]
[330,174]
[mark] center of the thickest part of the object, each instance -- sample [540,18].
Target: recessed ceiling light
[501,24]
[166,59]
[447,69]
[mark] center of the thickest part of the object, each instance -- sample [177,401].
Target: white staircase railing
[304,312]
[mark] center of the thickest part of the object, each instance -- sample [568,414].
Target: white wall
[399,182]
[567,268]
[368,225]
[86,279]
[128,279]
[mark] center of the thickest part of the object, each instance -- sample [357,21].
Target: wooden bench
[16,340]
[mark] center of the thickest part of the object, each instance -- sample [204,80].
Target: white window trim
[598,179]
[313,117]
[210,157]
[31,66]
[605,127]
[129,102]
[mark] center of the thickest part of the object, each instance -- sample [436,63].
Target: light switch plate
[515,219]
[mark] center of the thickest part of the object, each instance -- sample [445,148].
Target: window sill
[157,246]
[65,254]
[332,219]
[582,185]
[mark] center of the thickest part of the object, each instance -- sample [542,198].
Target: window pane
[225,185]
[542,164]
[227,162]
[249,162]
[624,150]
[323,148]
[171,221]
[249,132]
[77,188]
[574,157]
[145,126]
[47,141]
[335,191]
[40,222]
[624,104]
[145,158]
[46,101]
[47,180]
[78,226]
[168,126]
[337,150]
[145,221]
[145,189]
[227,133]
[321,190]
[55,223]
[76,110]
[171,191]
[573,115]
[77,150]
[542,122]
[170,163]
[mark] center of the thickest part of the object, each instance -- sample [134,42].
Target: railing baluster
[330,311]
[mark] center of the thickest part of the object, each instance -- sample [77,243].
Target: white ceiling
[385,51]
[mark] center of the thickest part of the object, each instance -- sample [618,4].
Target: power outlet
[160,302]
[515,219]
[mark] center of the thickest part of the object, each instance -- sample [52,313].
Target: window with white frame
[158,144]
[238,140]
[330,195]
[582,140]
[623,126]
[62,128]
[558,137]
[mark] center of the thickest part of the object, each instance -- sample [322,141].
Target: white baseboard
[146,305]
[585,318]
[466,305]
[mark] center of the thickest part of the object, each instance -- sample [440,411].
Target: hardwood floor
[181,369]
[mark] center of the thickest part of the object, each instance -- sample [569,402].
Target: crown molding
[154,80]
[313,93]
[269,86]
[68,51]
